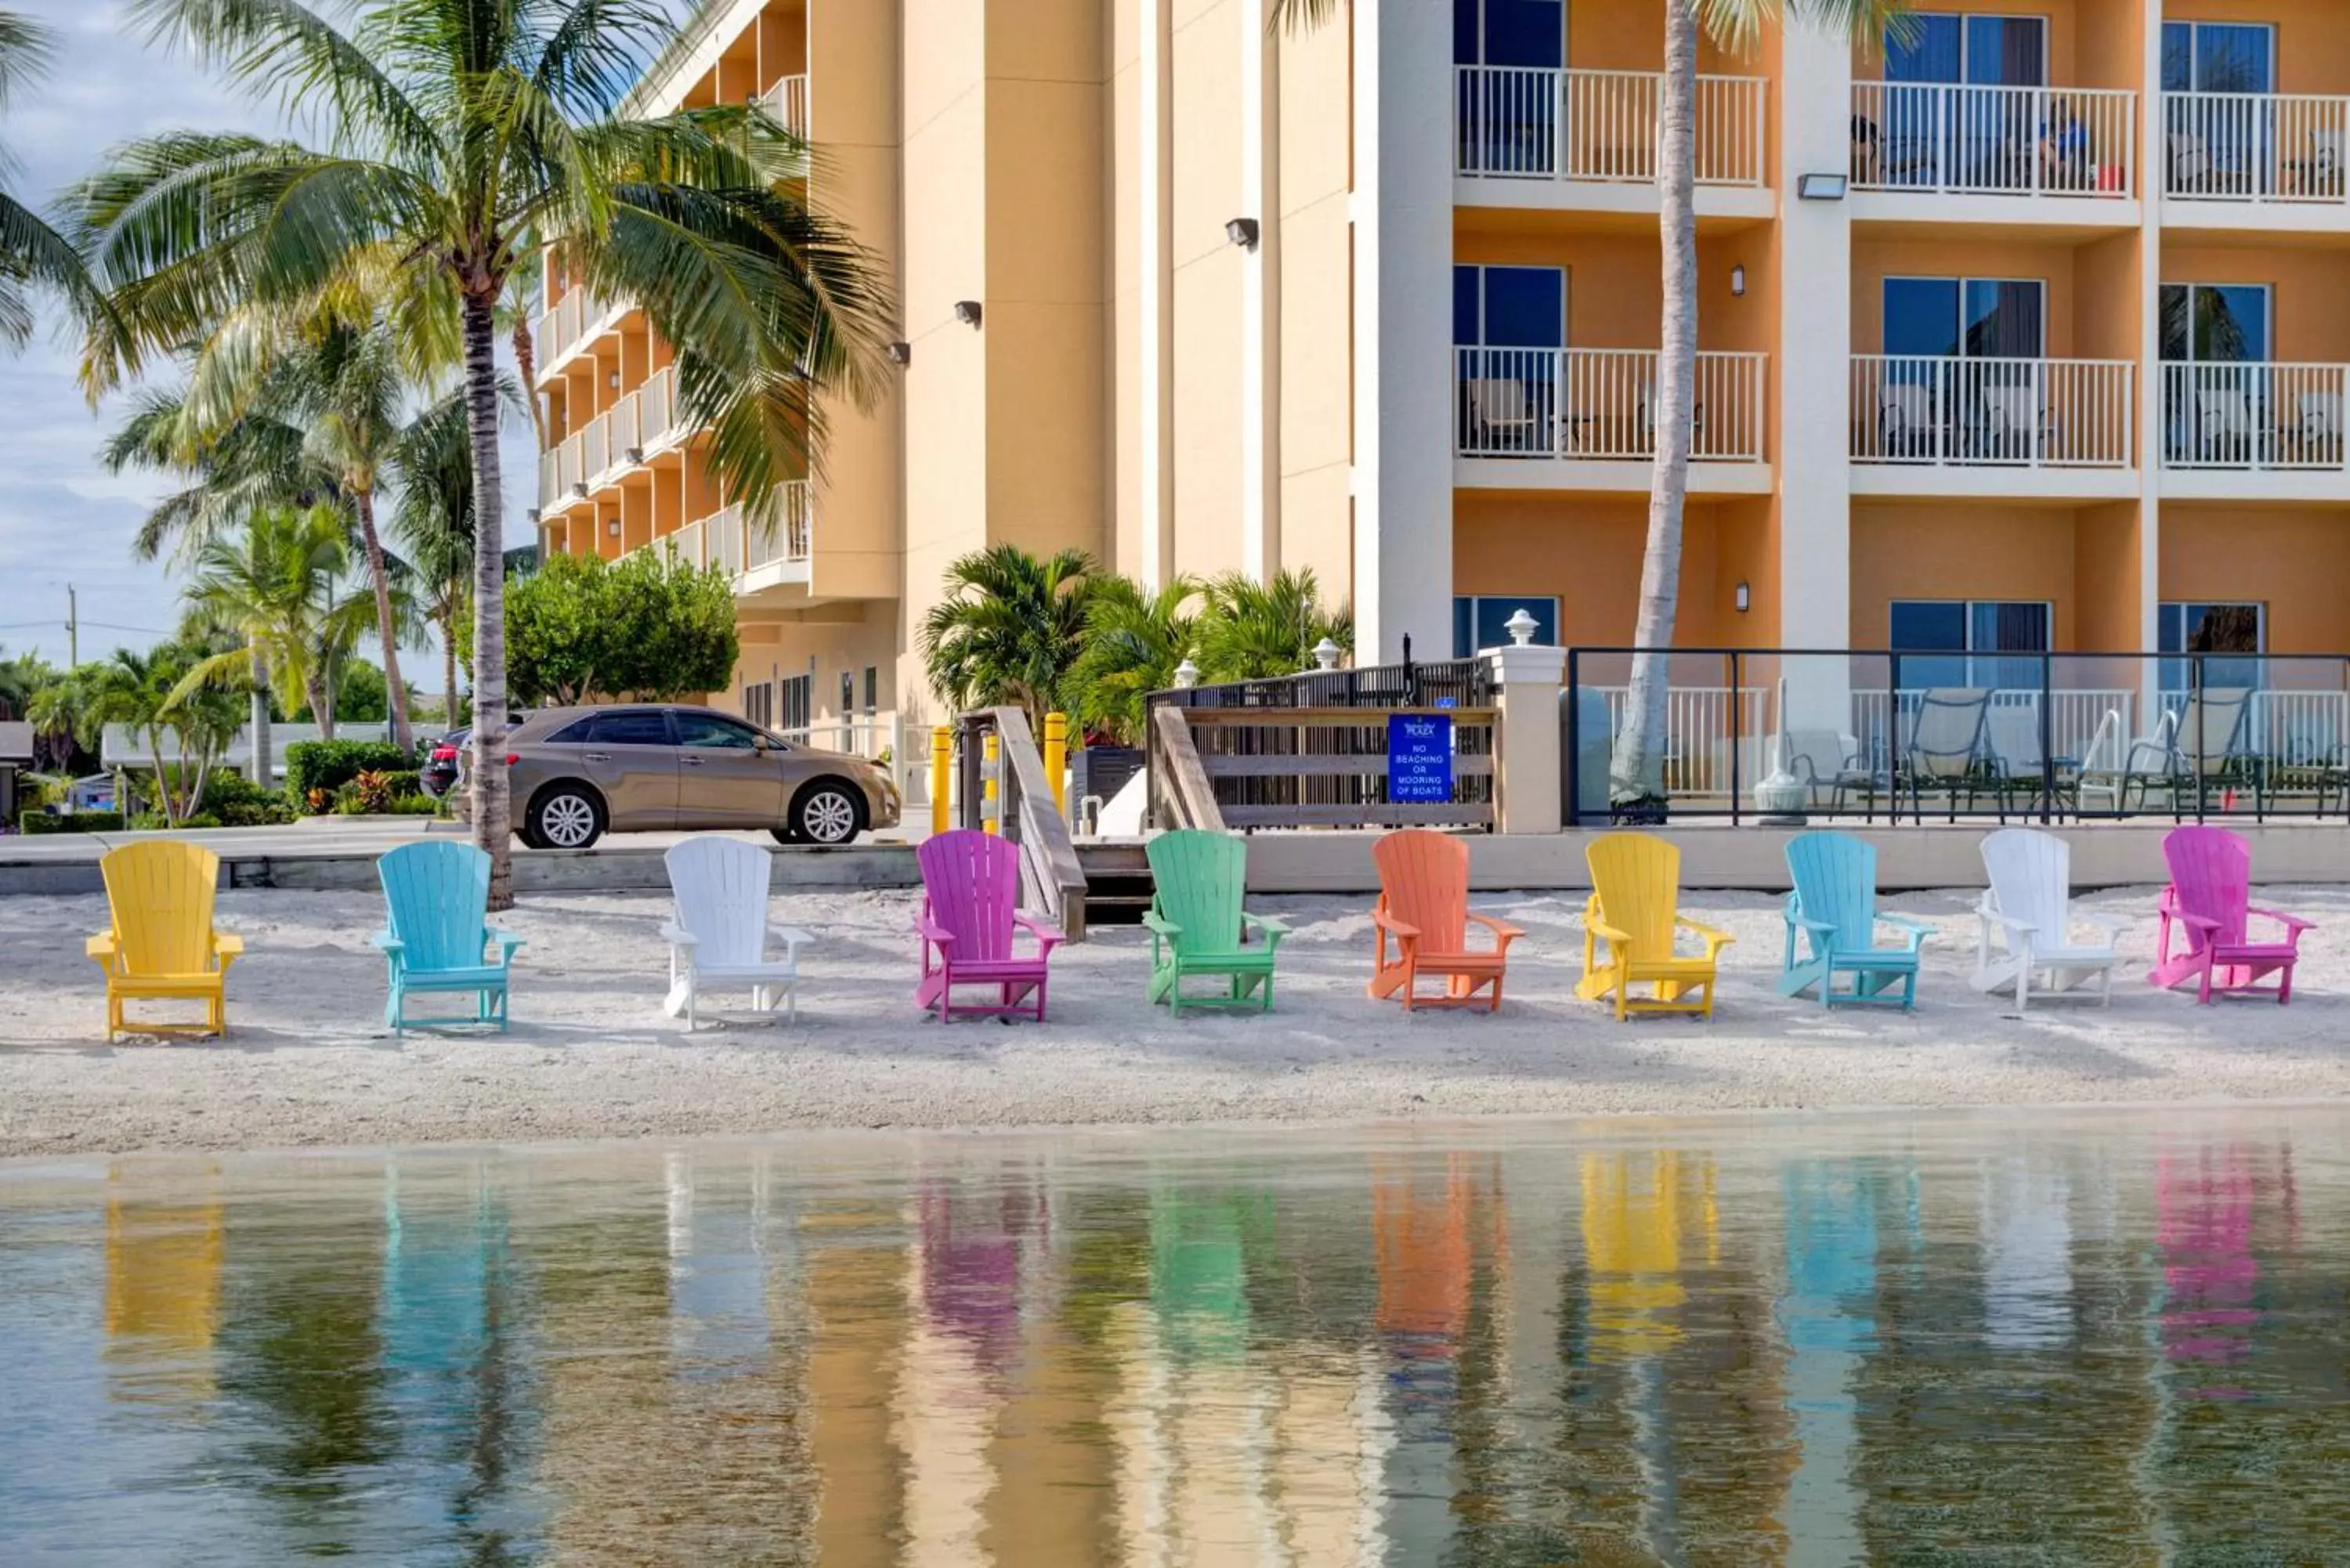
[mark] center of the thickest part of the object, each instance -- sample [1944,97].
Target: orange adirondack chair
[1635,910]
[1424,905]
[161,942]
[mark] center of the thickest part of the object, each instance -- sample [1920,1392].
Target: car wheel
[827,811]
[565,817]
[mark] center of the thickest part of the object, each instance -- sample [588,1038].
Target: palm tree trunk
[448,672]
[493,806]
[526,369]
[363,502]
[264,763]
[322,711]
[1638,774]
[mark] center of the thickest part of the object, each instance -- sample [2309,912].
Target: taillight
[512,757]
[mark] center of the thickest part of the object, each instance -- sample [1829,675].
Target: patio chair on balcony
[1829,764]
[2016,425]
[1502,419]
[2019,762]
[1645,418]
[1946,752]
[2118,774]
[2317,440]
[2213,755]
[2319,174]
[2190,162]
[1905,420]
[2224,425]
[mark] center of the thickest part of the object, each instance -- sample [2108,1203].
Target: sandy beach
[310,1062]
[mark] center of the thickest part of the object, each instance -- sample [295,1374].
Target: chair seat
[746,973]
[1254,957]
[1459,963]
[1672,968]
[2073,957]
[195,984]
[454,979]
[1873,957]
[2253,952]
[997,969]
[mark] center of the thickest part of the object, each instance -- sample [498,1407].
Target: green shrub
[39,822]
[416,806]
[238,802]
[404,782]
[327,766]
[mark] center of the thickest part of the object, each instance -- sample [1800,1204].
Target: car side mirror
[761,743]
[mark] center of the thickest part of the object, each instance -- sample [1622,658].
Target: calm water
[2068,1340]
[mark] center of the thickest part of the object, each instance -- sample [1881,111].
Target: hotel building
[2028,332]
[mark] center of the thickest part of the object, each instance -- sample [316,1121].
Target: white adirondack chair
[720,931]
[2028,908]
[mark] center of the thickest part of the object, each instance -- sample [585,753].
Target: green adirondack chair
[1197,924]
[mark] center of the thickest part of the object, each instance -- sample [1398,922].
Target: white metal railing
[2253,416]
[1523,123]
[859,735]
[1599,403]
[1698,731]
[655,415]
[596,446]
[736,541]
[785,536]
[551,489]
[1994,140]
[1943,410]
[2256,147]
[787,101]
[570,456]
[561,328]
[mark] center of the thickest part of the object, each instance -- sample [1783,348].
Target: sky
[63,518]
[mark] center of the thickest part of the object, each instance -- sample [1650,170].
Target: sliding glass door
[1938,134]
[2217,396]
[2218,78]
[1508,93]
[1961,372]
[1509,324]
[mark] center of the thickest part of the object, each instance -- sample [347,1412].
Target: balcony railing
[736,539]
[2037,413]
[1599,404]
[2254,416]
[787,102]
[1521,122]
[561,328]
[1993,141]
[643,417]
[2256,147]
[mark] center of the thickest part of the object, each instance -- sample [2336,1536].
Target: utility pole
[73,631]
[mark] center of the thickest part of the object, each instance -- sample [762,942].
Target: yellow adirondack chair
[1635,911]
[162,945]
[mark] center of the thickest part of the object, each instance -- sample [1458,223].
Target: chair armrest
[793,938]
[1503,932]
[677,935]
[1398,928]
[99,947]
[1047,937]
[1714,937]
[2106,923]
[2291,924]
[506,943]
[2200,922]
[1153,921]
[1607,933]
[385,942]
[1916,931]
[931,931]
[1272,928]
[1809,924]
[227,945]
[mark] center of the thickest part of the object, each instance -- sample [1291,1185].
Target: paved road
[352,836]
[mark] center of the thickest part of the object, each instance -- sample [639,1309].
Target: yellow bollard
[1056,759]
[990,809]
[942,775]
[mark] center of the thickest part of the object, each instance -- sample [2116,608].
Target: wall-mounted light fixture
[967,312]
[901,353]
[613,527]
[578,490]
[1242,232]
[613,380]
[1744,599]
[635,454]
[1820,187]
[534,513]
[1738,281]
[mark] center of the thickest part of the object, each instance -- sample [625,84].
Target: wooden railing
[1319,767]
[1180,794]
[1051,881]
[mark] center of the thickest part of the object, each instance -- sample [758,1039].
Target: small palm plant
[1134,640]
[1009,631]
[1254,631]
[30,251]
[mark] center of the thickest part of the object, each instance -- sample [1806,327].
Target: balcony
[759,549]
[1583,418]
[1578,138]
[787,103]
[2254,431]
[619,437]
[2256,159]
[2073,151]
[1933,425]
[571,323]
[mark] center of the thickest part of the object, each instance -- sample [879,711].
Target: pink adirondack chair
[970,914]
[2210,905]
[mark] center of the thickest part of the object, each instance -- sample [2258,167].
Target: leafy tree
[274,588]
[151,693]
[1009,629]
[432,523]
[459,134]
[361,696]
[1253,631]
[20,677]
[31,253]
[643,626]
[1134,640]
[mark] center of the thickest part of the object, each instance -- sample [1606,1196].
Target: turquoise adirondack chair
[1198,927]
[436,934]
[1832,921]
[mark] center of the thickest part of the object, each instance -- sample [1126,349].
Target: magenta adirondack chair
[2209,904]
[970,914]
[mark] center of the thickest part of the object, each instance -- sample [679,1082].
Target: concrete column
[2154,161]
[1816,348]
[1155,185]
[1530,789]
[1261,293]
[1401,210]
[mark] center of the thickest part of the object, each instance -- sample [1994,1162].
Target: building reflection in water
[2103,1347]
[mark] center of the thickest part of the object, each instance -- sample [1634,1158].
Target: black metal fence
[1452,682]
[1898,736]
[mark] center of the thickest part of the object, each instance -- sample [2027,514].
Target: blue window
[2217,56]
[2202,628]
[1508,323]
[2215,324]
[1530,32]
[1973,317]
[1481,621]
[1974,633]
[1509,307]
[1986,51]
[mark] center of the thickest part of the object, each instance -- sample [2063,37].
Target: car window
[709,731]
[637,728]
[572,734]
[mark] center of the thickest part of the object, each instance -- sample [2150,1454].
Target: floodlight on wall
[534,513]
[613,380]
[1242,232]
[1738,281]
[635,454]
[901,353]
[613,527]
[967,312]
[1744,599]
[1820,187]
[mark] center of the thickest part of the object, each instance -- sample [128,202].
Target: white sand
[590,1054]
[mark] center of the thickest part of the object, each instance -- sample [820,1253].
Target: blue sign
[1419,758]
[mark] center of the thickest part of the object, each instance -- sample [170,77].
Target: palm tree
[274,586]
[146,692]
[227,468]
[1253,631]
[1009,629]
[1134,640]
[31,253]
[458,134]
[433,522]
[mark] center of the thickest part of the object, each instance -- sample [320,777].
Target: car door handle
[595,756]
[690,762]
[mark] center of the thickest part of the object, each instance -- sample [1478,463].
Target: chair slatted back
[1836,881]
[437,899]
[2212,734]
[2211,877]
[160,895]
[2031,875]
[970,885]
[719,889]
[1199,879]
[1946,734]
[1638,876]
[1424,878]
